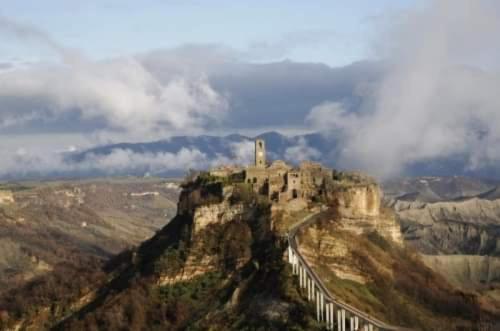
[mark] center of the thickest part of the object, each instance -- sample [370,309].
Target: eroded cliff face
[459,239]
[360,211]
[359,201]
[469,227]
[218,230]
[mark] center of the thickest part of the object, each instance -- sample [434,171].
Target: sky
[331,32]
[393,82]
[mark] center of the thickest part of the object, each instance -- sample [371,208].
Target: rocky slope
[456,233]
[470,226]
[43,225]
[218,264]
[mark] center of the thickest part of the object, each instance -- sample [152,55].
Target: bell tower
[260,153]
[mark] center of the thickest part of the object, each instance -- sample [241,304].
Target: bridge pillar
[339,320]
[343,319]
[322,305]
[332,317]
[300,276]
[290,254]
[309,289]
[327,316]
[317,309]
[356,323]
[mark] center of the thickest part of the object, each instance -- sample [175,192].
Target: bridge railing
[335,314]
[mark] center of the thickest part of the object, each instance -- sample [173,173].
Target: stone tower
[260,153]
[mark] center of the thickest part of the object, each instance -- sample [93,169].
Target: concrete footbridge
[333,313]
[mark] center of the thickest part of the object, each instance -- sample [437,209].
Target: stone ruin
[278,180]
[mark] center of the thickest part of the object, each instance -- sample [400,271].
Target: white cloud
[301,152]
[439,97]
[120,93]
[241,153]
[331,116]
[119,161]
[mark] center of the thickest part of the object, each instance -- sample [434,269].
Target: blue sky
[342,29]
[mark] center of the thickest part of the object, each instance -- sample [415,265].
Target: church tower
[260,153]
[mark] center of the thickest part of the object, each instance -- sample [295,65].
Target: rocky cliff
[358,207]
[458,238]
[470,226]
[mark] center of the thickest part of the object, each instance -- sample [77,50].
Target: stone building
[282,182]
[278,180]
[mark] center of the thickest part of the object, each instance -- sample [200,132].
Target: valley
[72,223]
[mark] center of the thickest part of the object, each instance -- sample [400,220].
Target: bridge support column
[332,317]
[309,289]
[290,255]
[322,306]
[339,320]
[327,316]
[356,323]
[351,323]
[300,276]
[343,319]
[317,309]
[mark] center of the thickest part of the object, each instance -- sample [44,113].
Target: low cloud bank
[439,97]
[24,164]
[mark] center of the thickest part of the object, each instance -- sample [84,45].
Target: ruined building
[283,182]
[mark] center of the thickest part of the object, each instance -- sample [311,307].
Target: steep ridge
[329,309]
[367,269]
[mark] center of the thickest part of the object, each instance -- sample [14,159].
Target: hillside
[220,264]
[44,226]
[457,233]
[216,265]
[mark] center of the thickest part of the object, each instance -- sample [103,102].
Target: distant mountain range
[325,149]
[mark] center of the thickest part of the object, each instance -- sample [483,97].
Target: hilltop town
[283,183]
